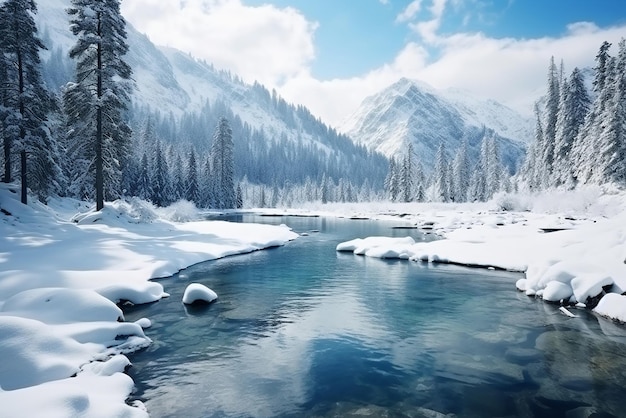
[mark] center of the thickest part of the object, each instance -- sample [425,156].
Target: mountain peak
[411,110]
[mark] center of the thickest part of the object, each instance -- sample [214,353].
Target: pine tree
[549,125]
[178,179]
[160,178]
[407,179]
[420,181]
[612,141]
[144,185]
[222,165]
[25,101]
[192,192]
[392,181]
[239,197]
[574,107]
[96,100]
[591,146]
[460,174]
[207,198]
[531,171]
[493,166]
[602,68]
[441,178]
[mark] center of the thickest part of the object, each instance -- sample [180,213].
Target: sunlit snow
[63,268]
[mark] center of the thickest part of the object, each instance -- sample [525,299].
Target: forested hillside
[580,135]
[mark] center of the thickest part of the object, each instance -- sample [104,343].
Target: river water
[302,330]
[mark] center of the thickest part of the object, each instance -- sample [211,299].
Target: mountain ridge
[411,110]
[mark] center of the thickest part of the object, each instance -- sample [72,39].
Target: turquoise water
[302,330]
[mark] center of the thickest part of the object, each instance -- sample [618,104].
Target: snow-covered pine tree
[460,178]
[407,179]
[161,190]
[531,172]
[588,158]
[178,178]
[487,178]
[441,177]
[223,166]
[494,169]
[205,185]
[25,101]
[239,197]
[549,125]
[573,109]
[612,140]
[392,180]
[101,91]
[192,191]
[143,183]
[420,181]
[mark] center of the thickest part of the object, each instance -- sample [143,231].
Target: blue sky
[330,54]
[355,36]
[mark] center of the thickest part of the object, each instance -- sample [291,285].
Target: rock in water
[198,293]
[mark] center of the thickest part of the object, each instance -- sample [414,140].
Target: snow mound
[556,291]
[32,353]
[181,211]
[62,306]
[99,390]
[132,211]
[361,246]
[135,292]
[196,292]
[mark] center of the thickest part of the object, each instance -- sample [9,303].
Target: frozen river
[302,330]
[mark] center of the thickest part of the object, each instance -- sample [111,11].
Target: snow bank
[32,354]
[196,292]
[63,268]
[99,391]
[62,306]
[579,262]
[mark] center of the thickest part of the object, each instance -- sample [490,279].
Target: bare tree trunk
[99,162]
[24,177]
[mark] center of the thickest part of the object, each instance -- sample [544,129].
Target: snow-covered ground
[62,335]
[571,245]
[63,268]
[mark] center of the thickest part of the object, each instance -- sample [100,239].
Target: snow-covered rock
[612,306]
[557,291]
[590,285]
[196,292]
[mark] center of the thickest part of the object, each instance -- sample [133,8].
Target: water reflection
[304,331]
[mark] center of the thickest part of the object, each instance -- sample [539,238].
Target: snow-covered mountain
[410,110]
[176,86]
[167,79]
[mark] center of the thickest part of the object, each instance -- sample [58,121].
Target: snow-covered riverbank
[571,245]
[62,339]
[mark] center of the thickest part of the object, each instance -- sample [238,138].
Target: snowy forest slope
[185,97]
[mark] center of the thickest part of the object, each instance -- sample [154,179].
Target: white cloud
[262,43]
[410,11]
[512,71]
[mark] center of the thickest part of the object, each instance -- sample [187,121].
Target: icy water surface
[301,330]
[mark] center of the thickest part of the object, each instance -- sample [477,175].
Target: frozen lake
[302,330]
